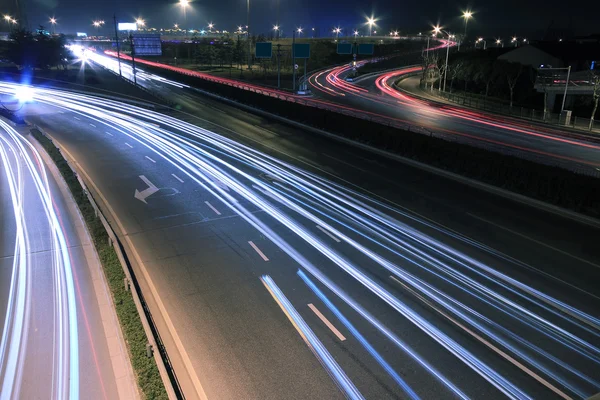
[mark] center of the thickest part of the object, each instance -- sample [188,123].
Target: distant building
[531,55]
[578,53]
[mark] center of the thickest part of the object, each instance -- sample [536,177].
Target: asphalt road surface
[53,341]
[375,94]
[283,265]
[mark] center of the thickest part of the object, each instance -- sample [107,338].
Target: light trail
[504,312]
[13,348]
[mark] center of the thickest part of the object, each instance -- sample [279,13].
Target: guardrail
[160,357]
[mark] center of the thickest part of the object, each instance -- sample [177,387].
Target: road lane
[54,341]
[425,252]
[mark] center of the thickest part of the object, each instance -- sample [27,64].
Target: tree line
[35,50]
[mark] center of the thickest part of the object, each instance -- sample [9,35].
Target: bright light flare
[24,94]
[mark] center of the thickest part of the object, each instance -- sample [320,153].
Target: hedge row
[146,371]
[550,184]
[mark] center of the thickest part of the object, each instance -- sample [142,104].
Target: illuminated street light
[355,34]
[53,22]
[467,15]
[337,32]
[276,29]
[371,21]
[482,40]
[140,22]
[210,26]
[299,31]
[176,26]
[184,4]
[499,42]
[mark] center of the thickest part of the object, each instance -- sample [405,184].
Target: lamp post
[499,42]
[514,40]
[276,29]
[98,24]
[184,4]
[140,22]
[436,30]
[53,22]
[484,42]
[337,33]
[248,31]
[210,27]
[371,22]
[467,15]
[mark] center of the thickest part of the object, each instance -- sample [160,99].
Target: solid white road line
[535,241]
[92,125]
[218,213]
[178,178]
[260,253]
[326,322]
[150,159]
[487,343]
[343,162]
[130,146]
[328,234]
[108,133]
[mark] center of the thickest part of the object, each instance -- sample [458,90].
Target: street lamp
[482,40]
[467,15]
[514,40]
[210,27]
[53,22]
[184,4]
[436,30]
[499,42]
[276,29]
[337,33]
[371,22]
[140,22]
[97,24]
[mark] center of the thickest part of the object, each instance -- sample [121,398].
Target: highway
[374,98]
[55,329]
[376,94]
[283,265]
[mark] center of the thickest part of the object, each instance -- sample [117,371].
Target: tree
[595,81]
[486,72]
[512,72]
[455,70]
[41,50]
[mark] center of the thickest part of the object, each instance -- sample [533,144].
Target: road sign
[295,66]
[302,50]
[366,48]
[264,50]
[344,48]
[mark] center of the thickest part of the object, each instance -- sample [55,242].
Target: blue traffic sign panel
[302,50]
[344,48]
[264,50]
[366,48]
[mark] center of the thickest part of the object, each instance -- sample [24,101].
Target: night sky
[497,18]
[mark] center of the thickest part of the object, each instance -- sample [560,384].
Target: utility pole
[117,40]
[294,61]
[562,108]
[278,66]
[446,67]
[248,33]
[132,57]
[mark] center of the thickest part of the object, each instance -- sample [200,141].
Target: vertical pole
[427,49]
[484,44]
[132,57]
[278,66]
[566,87]
[446,68]
[117,40]
[305,81]
[294,61]
[248,32]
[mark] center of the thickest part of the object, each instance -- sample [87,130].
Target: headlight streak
[66,343]
[364,342]
[331,366]
[202,162]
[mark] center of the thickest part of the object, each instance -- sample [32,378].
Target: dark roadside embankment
[552,185]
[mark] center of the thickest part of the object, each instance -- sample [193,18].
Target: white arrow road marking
[146,192]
